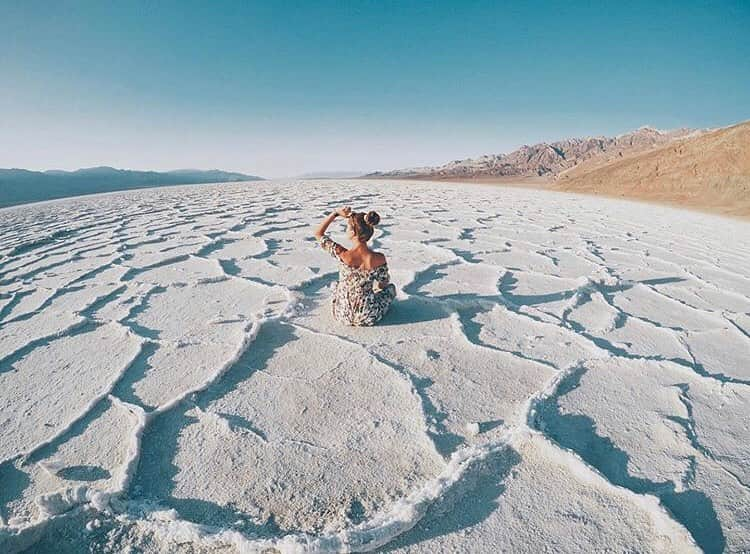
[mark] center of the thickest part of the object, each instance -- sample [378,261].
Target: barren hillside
[710,171]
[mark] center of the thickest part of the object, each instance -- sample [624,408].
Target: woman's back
[362,258]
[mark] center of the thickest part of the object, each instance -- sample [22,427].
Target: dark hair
[363,224]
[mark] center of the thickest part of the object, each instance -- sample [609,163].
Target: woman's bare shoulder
[378,259]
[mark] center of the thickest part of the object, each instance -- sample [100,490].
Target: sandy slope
[559,373]
[710,171]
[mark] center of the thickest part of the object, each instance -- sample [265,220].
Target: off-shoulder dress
[355,302]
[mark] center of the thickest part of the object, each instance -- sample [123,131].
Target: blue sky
[281,88]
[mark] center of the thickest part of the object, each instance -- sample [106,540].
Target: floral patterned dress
[354,300]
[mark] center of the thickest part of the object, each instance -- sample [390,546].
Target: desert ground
[559,372]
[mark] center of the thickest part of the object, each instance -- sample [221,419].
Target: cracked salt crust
[202,397]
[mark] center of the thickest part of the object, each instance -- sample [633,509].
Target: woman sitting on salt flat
[363,294]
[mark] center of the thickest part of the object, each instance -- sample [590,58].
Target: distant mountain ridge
[545,160]
[335,174]
[19,186]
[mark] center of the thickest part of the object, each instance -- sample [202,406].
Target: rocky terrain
[546,159]
[708,171]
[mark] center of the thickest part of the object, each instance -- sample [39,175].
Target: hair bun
[372,218]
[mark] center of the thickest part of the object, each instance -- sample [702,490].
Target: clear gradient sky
[281,88]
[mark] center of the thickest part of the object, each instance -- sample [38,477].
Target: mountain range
[545,160]
[19,186]
[703,169]
[706,169]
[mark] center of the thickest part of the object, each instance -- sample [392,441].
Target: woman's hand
[380,285]
[343,212]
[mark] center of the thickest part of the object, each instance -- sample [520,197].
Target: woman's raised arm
[321,230]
